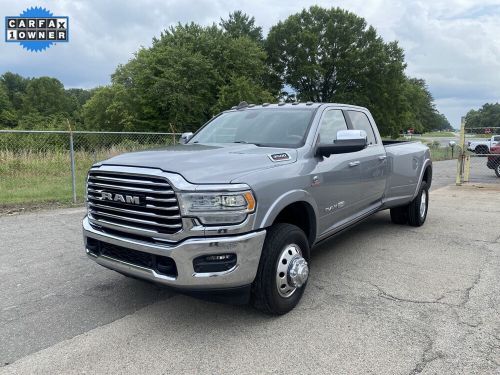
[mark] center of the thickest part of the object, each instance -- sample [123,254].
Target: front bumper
[247,247]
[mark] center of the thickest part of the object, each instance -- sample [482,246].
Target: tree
[189,72]
[331,55]
[109,109]
[16,88]
[488,116]
[240,89]
[240,24]
[7,114]
[419,111]
[47,96]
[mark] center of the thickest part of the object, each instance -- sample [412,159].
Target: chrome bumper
[247,247]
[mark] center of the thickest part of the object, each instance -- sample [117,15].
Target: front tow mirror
[347,141]
[185,137]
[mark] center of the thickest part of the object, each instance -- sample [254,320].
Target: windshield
[262,127]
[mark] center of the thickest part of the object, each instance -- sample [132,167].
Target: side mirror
[185,137]
[347,141]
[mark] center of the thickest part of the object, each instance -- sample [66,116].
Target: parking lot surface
[381,299]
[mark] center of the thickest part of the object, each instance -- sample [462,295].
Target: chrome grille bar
[135,212]
[138,203]
[128,188]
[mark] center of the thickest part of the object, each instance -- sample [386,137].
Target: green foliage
[192,72]
[240,24]
[109,109]
[238,90]
[487,116]
[188,75]
[418,111]
[46,96]
[39,103]
[16,88]
[331,55]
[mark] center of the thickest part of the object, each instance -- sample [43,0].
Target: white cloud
[452,44]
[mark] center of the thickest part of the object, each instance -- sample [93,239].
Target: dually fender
[284,200]
[427,163]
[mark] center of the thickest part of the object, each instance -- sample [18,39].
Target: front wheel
[283,270]
[497,169]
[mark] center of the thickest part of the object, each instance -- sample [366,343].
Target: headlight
[218,208]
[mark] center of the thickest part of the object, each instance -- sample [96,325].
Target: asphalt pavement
[382,299]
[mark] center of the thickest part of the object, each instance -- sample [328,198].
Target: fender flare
[427,163]
[284,200]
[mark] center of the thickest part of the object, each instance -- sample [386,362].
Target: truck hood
[208,164]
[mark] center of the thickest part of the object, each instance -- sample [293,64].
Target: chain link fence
[480,160]
[51,166]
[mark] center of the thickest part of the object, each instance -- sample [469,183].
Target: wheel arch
[297,208]
[425,175]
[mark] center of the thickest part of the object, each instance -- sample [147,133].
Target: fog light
[214,263]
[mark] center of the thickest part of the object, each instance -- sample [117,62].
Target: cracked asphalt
[382,299]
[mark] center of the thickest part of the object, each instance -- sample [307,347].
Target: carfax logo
[36,29]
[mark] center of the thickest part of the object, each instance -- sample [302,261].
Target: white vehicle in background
[483,147]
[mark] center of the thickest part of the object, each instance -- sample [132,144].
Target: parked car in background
[483,147]
[494,159]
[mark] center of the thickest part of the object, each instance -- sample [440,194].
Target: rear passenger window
[333,120]
[360,122]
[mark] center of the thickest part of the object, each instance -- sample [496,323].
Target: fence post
[72,157]
[467,168]
[461,154]
[172,129]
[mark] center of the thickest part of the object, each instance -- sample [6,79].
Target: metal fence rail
[51,166]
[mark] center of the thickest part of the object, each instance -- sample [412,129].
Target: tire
[482,150]
[266,296]
[497,169]
[399,215]
[417,209]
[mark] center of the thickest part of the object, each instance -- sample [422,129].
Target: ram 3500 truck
[238,207]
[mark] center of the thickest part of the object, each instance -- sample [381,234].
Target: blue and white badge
[36,29]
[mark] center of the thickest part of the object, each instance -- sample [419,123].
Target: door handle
[382,157]
[354,163]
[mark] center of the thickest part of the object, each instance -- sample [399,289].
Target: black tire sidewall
[497,169]
[414,210]
[278,237]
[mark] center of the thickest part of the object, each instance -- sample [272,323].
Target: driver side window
[332,121]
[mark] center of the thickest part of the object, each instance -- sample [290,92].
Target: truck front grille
[140,204]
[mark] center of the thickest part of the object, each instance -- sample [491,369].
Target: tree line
[192,72]
[488,116]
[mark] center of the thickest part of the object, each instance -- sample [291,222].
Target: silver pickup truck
[236,210]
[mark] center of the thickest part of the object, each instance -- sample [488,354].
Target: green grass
[43,177]
[442,153]
[488,136]
[439,134]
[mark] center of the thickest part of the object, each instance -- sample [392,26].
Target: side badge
[283,156]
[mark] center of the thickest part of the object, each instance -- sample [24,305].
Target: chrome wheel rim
[423,203]
[292,271]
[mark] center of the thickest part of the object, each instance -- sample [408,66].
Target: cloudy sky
[453,44]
